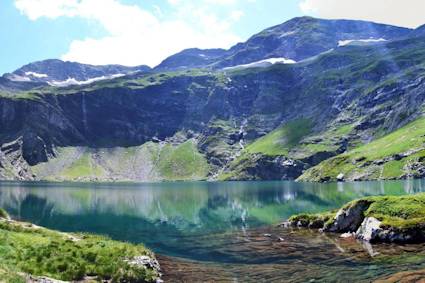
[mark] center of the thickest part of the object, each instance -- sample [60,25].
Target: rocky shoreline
[387,219]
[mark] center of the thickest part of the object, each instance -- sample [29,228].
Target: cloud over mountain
[404,13]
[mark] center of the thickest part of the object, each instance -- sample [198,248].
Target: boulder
[348,219]
[369,229]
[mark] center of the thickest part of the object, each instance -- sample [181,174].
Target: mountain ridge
[62,73]
[282,41]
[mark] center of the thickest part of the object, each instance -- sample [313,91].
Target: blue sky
[134,32]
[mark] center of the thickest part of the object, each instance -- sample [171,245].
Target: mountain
[60,73]
[191,58]
[296,39]
[317,119]
[420,31]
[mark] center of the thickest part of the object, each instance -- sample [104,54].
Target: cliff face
[256,123]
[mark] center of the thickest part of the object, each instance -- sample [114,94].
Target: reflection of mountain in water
[189,205]
[167,216]
[199,221]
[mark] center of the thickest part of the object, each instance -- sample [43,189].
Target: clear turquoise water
[218,226]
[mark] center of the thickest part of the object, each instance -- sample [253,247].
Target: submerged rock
[404,277]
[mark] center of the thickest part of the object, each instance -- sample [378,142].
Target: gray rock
[369,229]
[348,219]
[144,261]
[34,279]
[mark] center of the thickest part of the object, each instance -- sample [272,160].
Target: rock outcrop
[348,219]
[374,219]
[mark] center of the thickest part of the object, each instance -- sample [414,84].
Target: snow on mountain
[360,41]
[263,63]
[36,75]
[73,81]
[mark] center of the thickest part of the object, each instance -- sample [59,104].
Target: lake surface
[220,231]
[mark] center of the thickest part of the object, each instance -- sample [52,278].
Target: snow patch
[350,41]
[72,81]
[17,78]
[263,63]
[36,75]
[287,34]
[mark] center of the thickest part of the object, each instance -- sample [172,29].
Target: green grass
[83,167]
[359,161]
[316,220]
[294,140]
[399,212]
[34,250]
[3,213]
[182,162]
[150,161]
[10,275]
[283,139]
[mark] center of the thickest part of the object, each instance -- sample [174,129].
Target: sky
[137,32]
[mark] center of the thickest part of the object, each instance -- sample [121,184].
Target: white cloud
[136,36]
[46,8]
[407,13]
[236,15]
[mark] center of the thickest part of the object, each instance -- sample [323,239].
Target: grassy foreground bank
[28,250]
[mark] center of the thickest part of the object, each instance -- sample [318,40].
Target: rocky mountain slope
[272,122]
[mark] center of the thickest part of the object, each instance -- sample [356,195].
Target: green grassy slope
[148,162]
[182,162]
[396,155]
[295,140]
[281,140]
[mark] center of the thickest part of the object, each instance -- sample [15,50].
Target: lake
[210,231]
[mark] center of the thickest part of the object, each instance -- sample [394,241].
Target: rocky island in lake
[374,219]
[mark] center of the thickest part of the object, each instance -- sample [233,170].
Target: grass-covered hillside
[294,144]
[148,162]
[28,250]
[400,154]
[281,140]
